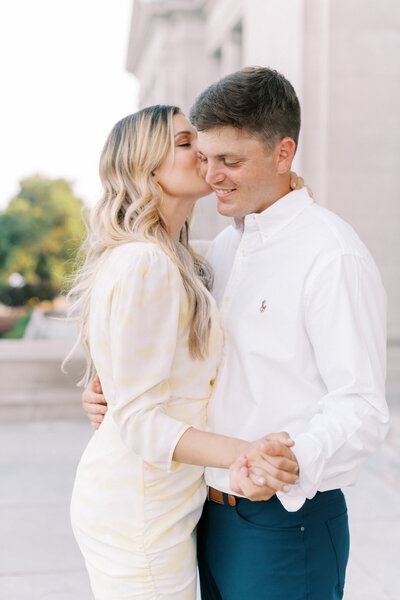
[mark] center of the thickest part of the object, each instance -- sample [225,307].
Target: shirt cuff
[309,454]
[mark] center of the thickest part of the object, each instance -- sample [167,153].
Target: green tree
[40,232]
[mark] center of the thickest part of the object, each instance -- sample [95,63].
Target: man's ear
[285,154]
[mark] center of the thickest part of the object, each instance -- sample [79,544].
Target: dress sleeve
[144,321]
[345,316]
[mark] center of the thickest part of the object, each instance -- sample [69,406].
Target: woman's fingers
[283,464]
[293,180]
[296,182]
[281,436]
[278,452]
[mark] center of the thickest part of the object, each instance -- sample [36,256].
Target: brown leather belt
[221,497]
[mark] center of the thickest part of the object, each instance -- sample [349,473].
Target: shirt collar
[277,215]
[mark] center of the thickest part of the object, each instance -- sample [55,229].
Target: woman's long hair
[129,210]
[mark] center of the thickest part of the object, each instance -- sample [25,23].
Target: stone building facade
[343,60]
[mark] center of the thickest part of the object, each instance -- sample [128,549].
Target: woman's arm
[270,460]
[207,449]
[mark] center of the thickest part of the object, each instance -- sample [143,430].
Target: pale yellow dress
[134,510]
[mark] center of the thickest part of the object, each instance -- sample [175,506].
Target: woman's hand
[93,402]
[297,182]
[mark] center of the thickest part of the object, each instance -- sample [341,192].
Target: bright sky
[64,85]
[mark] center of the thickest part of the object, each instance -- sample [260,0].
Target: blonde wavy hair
[129,210]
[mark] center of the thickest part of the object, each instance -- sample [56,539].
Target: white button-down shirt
[304,314]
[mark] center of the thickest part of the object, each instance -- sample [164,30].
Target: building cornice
[143,16]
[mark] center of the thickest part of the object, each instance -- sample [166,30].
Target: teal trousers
[259,551]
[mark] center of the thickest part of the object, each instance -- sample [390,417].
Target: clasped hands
[268,465]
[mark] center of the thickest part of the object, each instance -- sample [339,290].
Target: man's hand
[270,464]
[93,402]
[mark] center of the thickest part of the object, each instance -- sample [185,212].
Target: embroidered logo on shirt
[263,305]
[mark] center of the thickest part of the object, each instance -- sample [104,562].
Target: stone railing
[32,385]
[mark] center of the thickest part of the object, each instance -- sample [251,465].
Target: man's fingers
[271,482]
[96,385]
[255,492]
[237,471]
[258,475]
[89,397]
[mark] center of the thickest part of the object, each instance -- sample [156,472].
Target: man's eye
[202,159]
[234,164]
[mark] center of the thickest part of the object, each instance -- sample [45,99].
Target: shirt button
[243,252]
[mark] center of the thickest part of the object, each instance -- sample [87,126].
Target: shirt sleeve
[144,322]
[345,317]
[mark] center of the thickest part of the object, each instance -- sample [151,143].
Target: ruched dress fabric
[134,510]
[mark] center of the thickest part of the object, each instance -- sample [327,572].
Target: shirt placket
[248,243]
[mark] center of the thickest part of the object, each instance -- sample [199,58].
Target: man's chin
[225,209]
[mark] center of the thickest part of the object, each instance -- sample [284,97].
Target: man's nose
[213,174]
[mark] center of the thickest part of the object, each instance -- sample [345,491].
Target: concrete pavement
[39,559]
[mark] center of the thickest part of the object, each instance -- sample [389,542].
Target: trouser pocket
[338,528]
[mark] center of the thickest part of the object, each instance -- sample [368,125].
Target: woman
[152,332]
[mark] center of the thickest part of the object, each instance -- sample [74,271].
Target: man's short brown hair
[257,100]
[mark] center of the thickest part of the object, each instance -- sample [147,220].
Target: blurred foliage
[18,329]
[40,232]
[30,294]
[7,324]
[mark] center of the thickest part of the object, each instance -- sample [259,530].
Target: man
[303,310]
